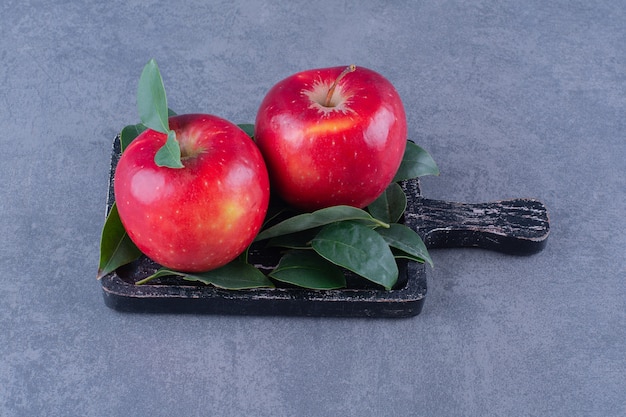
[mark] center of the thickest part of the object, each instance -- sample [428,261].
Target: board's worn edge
[405,302]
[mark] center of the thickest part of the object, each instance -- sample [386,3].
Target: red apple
[331,136]
[203,215]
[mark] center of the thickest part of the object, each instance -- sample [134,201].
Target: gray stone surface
[513,99]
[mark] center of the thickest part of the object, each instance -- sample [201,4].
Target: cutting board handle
[517,226]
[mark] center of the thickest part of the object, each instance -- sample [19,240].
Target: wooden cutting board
[518,227]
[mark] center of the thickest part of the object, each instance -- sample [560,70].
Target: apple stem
[331,90]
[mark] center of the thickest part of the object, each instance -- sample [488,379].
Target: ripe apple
[331,136]
[203,215]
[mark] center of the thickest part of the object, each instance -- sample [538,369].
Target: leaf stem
[381,223]
[145,280]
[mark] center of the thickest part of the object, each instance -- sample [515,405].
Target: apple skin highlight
[344,153]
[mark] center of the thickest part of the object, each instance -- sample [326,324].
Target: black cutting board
[518,226]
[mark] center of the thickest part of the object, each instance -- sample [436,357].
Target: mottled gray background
[513,99]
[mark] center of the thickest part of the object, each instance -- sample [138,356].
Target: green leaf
[130,133]
[248,128]
[297,240]
[318,218]
[415,163]
[309,270]
[359,249]
[235,275]
[407,241]
[116,248]
[391,204]
[169,154]
[151,99]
